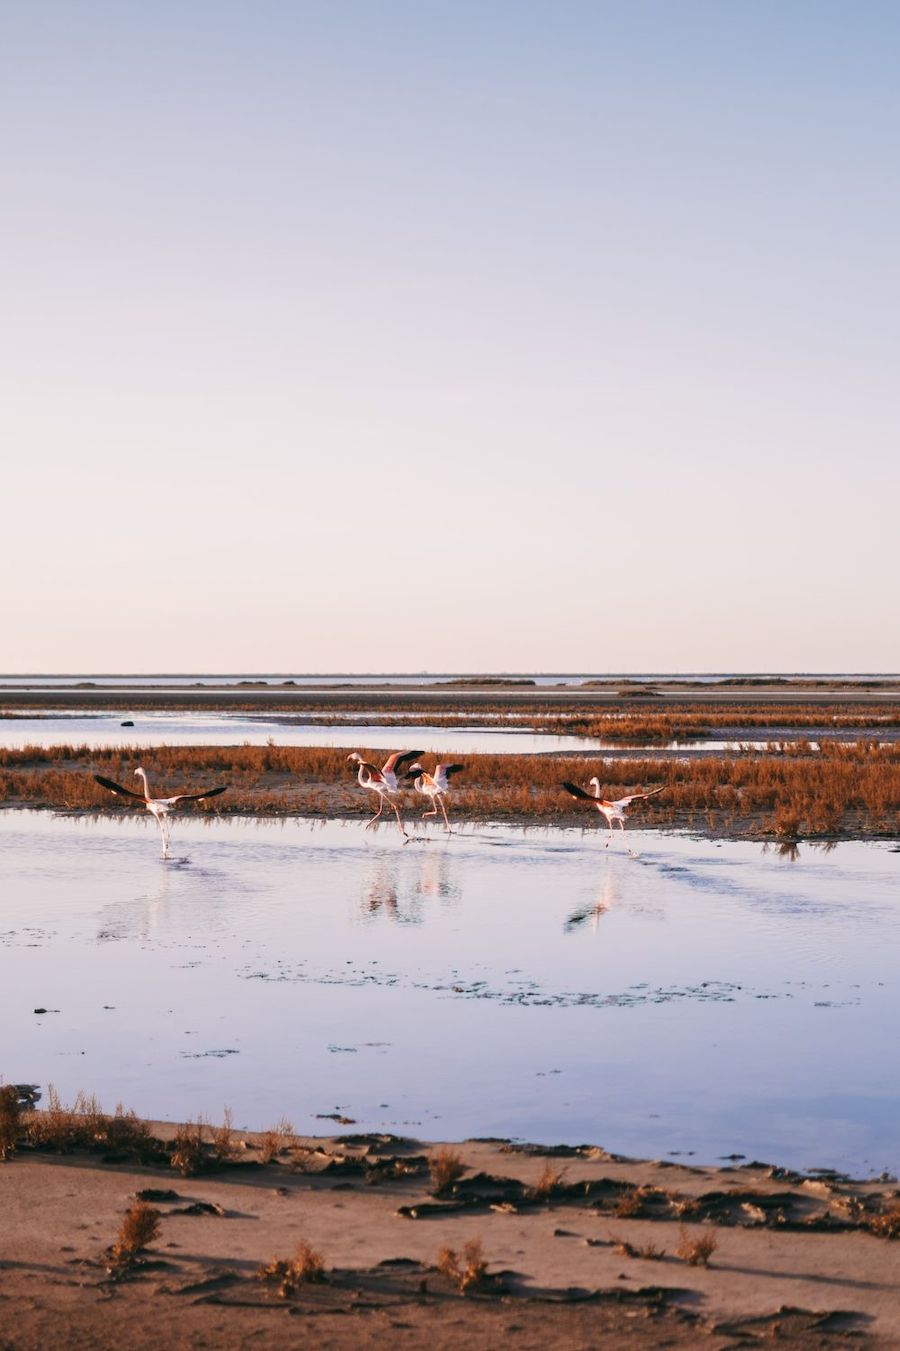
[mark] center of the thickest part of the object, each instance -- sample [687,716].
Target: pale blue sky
[491,335]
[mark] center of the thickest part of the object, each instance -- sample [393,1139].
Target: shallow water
[234,729]
[104,729]
[696,1000]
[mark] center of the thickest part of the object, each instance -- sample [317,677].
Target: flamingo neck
[142,775]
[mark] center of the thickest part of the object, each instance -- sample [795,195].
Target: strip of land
[844,790]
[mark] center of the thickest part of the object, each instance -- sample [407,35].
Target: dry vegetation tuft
[445,1167]
[138,1230]
[649,1252]
[695,1249]
[287,1273]
[887,1224]
[275,1140]
[224,1145]
[189,1153]
[549,1179]
[467,1271]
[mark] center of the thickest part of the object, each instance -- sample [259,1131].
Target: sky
[467,335]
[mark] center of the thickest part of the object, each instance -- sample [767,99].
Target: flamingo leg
[439,798]
[399,821]
[433,811]
[378,813]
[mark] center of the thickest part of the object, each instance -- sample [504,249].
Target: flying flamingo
[158,807]
[613,811]
[434,786]
[383,781]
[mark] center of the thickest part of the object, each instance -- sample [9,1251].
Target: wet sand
[794,1260]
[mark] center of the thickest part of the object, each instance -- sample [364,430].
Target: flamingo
[434,786]
[158,807]
[613,811]
[383,781]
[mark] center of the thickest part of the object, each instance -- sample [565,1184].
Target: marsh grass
[445,1166]
[781,791]
[288,1273]
[468,1270]
[695,1249]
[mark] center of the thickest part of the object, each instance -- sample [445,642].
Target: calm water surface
[694,1000]
[234,729]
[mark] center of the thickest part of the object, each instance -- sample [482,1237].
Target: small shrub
[124,1131]
[445,1167]
[138,1230]
[466,1272]
[277,1138]
[188,1154]
[695,1249]
[10,1120]
[548,1181]
[290,1272]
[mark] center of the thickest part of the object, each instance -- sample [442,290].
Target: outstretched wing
[394,764]
[449,770]
[117,788]
[636,797]
[574,791]
[198,797]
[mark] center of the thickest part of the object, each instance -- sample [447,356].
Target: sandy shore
[562,1232]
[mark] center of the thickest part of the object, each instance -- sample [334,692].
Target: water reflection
[398,886]
[435,876]
[590,914]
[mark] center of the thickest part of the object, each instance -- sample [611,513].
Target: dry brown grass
[10,1120]
[695,1249]
[445,1167]
[788,792]
[138,1230]
[85,1126]
[288,1273]
[467,1271]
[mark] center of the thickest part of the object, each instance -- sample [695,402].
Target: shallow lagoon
[695,1000]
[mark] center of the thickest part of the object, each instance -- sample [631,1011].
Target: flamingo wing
[196,797]
[117,788]
[449,770]
[574,791]
[394,764]
[636,797]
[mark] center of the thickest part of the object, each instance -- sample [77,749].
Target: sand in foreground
[580,1248]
